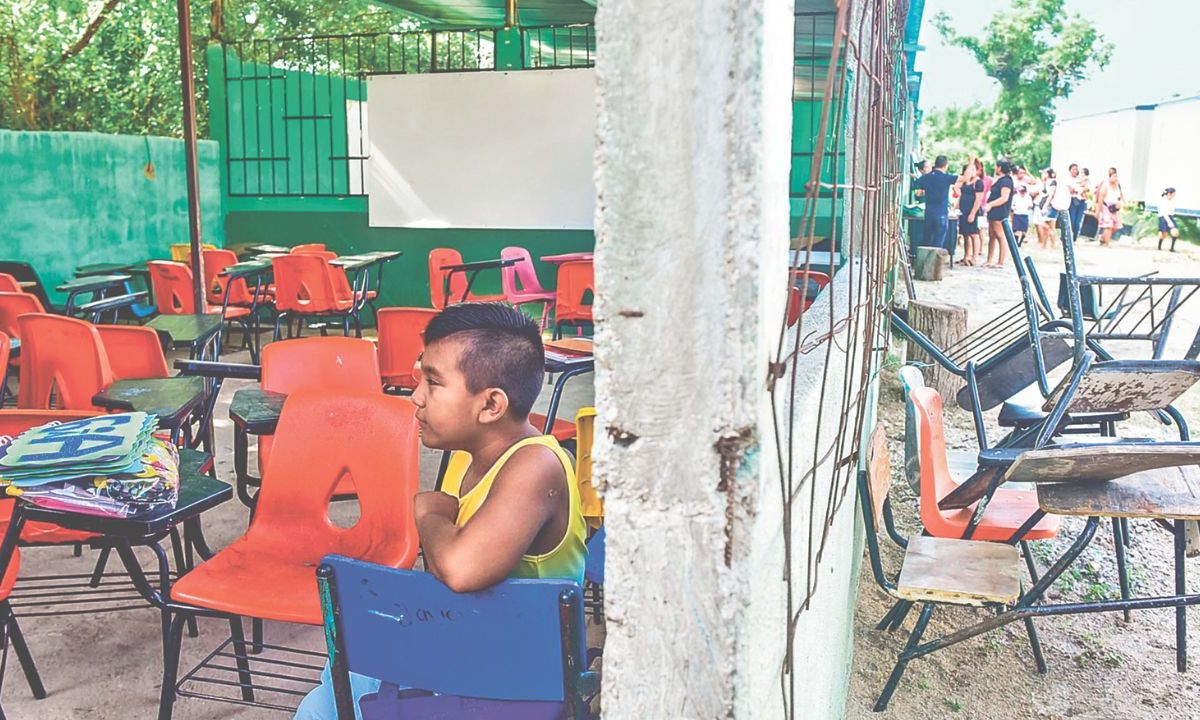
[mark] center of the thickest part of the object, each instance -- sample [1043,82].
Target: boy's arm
[484,551]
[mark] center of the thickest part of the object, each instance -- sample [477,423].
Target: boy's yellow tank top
[567,559]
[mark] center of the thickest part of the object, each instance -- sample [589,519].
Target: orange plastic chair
[215,261]
[521,284]
[341,283]
[304,286]
[443,257]
[171,283]
[5,351]
[309,247]
[401,342]
[134,352]
[63,357]
[14,305]
[322,438]
[329,364]
[576,280]
[1005,514]
[590,503]
[8,283]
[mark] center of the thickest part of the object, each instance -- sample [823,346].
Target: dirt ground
[110,665]
[1100,666]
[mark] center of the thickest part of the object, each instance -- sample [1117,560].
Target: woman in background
[1109,199]
[1166,219]
[970,198]
[998,207]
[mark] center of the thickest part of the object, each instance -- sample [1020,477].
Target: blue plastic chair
[512,652]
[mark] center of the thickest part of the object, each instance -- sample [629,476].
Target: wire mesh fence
[850,206]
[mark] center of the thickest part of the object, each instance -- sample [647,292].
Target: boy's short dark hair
[941,161]
[502,348]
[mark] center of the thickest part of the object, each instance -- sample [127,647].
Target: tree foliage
[113,65]
[1038,53]
[956,132]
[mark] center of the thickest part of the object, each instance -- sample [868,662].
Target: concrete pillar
[694,138]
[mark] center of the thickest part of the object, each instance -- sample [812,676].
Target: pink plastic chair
[520,282]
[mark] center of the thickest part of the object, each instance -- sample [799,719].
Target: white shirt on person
[1022,203]
[1166,207]
[1061,199]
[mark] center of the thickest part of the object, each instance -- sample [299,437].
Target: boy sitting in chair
[509,505]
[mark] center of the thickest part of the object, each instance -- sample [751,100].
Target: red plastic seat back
[14,305]
[63,356]
[215,286]
[521,278]
[309,247]
[304,284]
[171,283]
[401,342]
[341,283]
[329,364]
[439,258]
[8,283]
[323,438]
[936,480]
[133,352]
[5,351]
[576,280]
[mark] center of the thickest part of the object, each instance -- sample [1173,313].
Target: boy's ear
[495,406]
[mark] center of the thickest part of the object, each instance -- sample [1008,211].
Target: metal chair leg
[174,641]
[1180,589]
[181,566]
[256,636]
[1122,569]
[24,657]
[1035,645]
[243,664]
[101,563]
[897,672]
[901,614]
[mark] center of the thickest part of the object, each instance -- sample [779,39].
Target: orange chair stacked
[576,282]
[401,342]
[441,294]
[322,439]
[304,287]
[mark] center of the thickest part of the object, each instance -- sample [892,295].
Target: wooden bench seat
[961,572]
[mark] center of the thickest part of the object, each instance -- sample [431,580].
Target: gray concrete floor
[109,665]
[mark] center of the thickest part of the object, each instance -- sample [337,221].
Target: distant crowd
[1041,205]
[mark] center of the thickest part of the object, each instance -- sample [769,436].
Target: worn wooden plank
[962,572]
[1171,493]
[879,472]
[1096,462]
[1129,385]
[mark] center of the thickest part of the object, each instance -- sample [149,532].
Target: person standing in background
[1109,200]
[1166,218]
[998,207]
[1078,204]
[1022,205]
[970,199]
[936,188]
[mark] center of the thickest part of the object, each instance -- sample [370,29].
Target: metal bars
[296,107]
[857,130]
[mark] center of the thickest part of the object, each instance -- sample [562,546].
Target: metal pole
[188,84]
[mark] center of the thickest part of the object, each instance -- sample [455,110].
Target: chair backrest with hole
[438,292]
[63,357]
[322,438]
[576,280]
[936,480]
[910,379]
[341,283]
[515,650]
[401,342]
[521,278]
[304,284]
[171,283]
[215,286]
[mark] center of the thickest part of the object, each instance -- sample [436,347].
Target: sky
[1154,55]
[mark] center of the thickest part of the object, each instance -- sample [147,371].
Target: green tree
[114,66]
[1038,53]
[956,132]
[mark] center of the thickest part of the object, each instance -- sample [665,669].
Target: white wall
[1098,142]
[1175,154]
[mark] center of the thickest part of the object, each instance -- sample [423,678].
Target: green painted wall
[806,121]
[339,222]
[77,198]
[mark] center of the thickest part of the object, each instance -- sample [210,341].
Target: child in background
[1166,219]
[1021,207]
[510,505]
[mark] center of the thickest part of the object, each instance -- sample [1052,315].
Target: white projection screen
[482,149]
